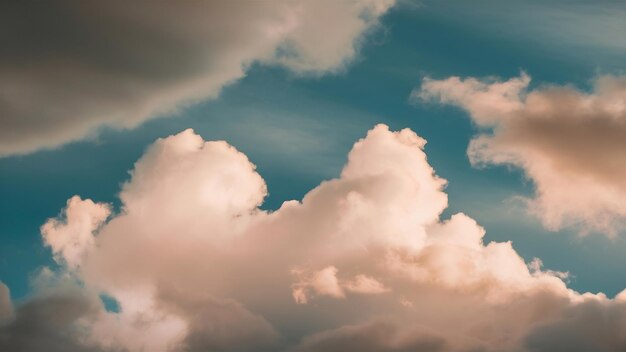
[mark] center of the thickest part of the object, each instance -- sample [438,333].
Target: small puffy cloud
[322,283]
[488,101]
[71,237]
[365,285]
[69,67]
[194,263]
[326,283]
[570,143]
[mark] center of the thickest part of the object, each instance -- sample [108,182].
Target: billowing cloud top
[364,262]
[69,67]
[570,143]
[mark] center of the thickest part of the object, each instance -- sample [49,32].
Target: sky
[313,176]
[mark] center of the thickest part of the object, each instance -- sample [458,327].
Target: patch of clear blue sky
[299,130]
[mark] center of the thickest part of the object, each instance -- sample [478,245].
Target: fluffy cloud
[570,143]
[69,239]
[69,67]
[325,282]
[363,262]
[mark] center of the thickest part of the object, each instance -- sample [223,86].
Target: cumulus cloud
[69,67]
[70,238]
[362,262]
[570,143]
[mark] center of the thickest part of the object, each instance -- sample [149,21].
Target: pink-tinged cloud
[570,143]
[70,238]
[364,262]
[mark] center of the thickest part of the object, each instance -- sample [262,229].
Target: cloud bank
[69,67]
[570,143]
[363,262]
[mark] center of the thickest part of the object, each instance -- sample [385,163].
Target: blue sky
[298,128]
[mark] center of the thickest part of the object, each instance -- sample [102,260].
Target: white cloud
[194,264]
[570,143]
[80,67]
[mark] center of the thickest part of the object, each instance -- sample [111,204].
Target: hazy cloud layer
[363,262]
[69,67]
[570,143]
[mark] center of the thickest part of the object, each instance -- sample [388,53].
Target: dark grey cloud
[69,67]
[372,337]
[50,321]
[594,325]
[219,325]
